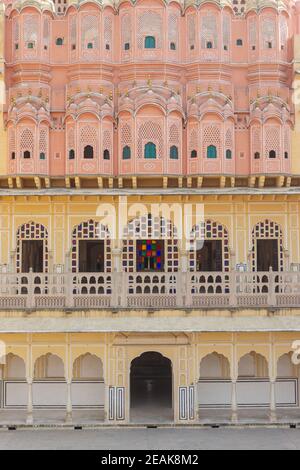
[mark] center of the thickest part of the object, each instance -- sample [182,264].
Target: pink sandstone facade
[178,89]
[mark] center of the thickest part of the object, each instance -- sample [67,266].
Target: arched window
[211,151]
[286,155]
[59,41]
[71,154]
[150,150]
[88,152]
[42,156]
[174,152]
[149,42]
[106,155]
[30,45]
[194,154]
[209,45]
[173,46]
[272,154]
[13,155]
[90,45]
[26,154]
[228,154]
[239,42]
[126,154]
[256,156]
[126,46]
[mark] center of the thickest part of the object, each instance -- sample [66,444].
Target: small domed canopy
[39,4]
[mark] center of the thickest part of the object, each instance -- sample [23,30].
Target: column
[272,400]
[29,418]
[183,293]
[234,378]
[234,415]
[69,410]
[117,285]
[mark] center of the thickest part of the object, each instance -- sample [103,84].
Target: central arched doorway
[151,388]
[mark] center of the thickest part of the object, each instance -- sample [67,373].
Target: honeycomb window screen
[46,33]
[108,32]
[283,26]
[32,231]
[268,32]
[252,33]
[229,140]
[272,140]
[193,142]
[12,141]
[191,25]
[73,30]
[209,230]
[16,30]
[126,31]
[71,139]
[149,23]
[209,32]
[44,142]
[126,135]
[267,230]
[211,138]
[150,131]
[173,29]
[256,140]
[30,34]
[226,31]
[287,139]
[174,141]
[91,230]
[89,33]
[88,137]
[154,228]
[107,144]
[26,142]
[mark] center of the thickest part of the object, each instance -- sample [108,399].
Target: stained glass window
[150,150]
[149,42]
[228,154]
[150,255]
[126,152]
[211,151]
[174,152]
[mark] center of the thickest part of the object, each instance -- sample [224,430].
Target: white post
[69,402]
[29,418]
[116,276]
[234,416]
[272,400]
[183,297]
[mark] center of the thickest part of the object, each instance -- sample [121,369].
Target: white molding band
[150,325]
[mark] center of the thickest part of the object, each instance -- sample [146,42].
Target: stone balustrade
[159,290]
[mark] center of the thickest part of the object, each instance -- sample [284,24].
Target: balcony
[158,290]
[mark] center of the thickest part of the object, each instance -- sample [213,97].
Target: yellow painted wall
[60,214]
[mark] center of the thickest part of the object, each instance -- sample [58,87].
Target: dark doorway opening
[209,257]
[266,255]
[32,256]
[150,255]
[91,256]
[151,388]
